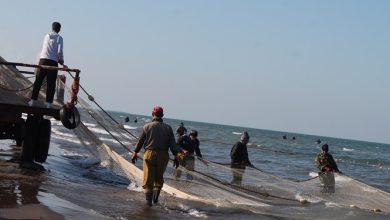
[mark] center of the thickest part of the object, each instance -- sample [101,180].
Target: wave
[98,130]
[89,124]
[193,212]
[130,127]
[313,174]
[347,149]
[237,133]
[134,187]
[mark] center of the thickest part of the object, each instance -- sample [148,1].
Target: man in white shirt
[51,54]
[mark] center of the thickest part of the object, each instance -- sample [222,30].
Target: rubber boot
[149,198]
[156,194]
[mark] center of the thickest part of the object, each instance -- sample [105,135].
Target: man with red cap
[157,138]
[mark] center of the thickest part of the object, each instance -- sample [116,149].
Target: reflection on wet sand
[19,189]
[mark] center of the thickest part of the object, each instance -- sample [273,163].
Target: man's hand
[134,157]
[176,162]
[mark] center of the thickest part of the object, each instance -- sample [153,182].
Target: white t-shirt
[52,47]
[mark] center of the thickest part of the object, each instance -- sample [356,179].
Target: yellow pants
[155,163]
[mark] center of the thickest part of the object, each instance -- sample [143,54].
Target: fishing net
[213,183]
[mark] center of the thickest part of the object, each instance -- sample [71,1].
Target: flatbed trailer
[33,131]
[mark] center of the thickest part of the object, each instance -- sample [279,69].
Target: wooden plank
[39,66]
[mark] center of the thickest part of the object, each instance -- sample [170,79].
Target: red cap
[158,110]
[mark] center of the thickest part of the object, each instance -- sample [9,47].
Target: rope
[251,145]
[254,167]
[91,98]
[242,188]
[112,135]
[15,90]
[20,90]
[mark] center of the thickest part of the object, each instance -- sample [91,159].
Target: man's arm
[333,164]
[61,51]
[245,156]
[172,143]
[197,149]
[141,141]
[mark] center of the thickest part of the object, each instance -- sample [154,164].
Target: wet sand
[22,195]
[68,191]
[19,189]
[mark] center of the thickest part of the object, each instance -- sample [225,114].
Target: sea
[78,185]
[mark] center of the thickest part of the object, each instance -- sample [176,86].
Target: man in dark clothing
[188,144]
[239,158]
[181,130]
[327,166]
[325,161]
[156,137]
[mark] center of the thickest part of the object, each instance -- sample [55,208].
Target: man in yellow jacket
[157,138]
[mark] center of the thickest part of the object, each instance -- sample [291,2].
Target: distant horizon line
[240,126]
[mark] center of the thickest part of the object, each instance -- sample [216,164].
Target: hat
[158,111]
[325,147]
[245,136]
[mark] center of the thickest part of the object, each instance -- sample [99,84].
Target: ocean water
[82,186]
[294,159]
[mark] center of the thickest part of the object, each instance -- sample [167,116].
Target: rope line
[15,90]
[254,167]
[90,97]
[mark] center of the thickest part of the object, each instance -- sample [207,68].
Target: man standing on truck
[51,54]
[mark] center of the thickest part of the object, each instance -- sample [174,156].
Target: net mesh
[212,183]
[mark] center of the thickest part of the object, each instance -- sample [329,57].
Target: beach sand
[22,195]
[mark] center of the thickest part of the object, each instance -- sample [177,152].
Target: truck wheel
[19,142]
[30,139]
[42,148]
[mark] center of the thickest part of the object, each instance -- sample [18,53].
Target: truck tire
[42,148]
[30,139]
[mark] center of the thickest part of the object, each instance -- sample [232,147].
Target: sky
[310,67]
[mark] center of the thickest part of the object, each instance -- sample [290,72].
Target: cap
[158,111]
[325,147]
[245,136]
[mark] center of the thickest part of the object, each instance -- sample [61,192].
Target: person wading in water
[327,166]
[239,158]
[157,138]
[189,145]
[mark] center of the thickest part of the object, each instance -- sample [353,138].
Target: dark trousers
[237,171]
[51,76]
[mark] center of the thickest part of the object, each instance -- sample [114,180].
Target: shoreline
[23,195]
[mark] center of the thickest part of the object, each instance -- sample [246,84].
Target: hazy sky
[312,67]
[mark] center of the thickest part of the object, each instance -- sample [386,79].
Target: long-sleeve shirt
[191,145]
[52,48]
[157,136]
[239,154]
[326,160]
